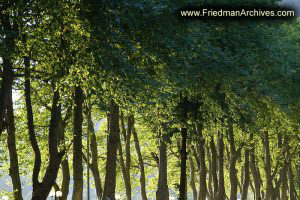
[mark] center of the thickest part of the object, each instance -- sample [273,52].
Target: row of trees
[147,100]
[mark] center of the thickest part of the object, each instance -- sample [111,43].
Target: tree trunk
[232,163]
[292,190]
[124,171]
[94,165]
[246,176]
[162,192]
[221,187]
[269,183]
[128,156]
[202,174]
[298,175]
[254,170]
[141,165]
[77,148]
[112,147]
[31,131]
[7,73]
[64,163]
[13,155]
[55,157]
[124,166]
[214,166]
[65,179]
[183,157]
[291,182]
[210,192]
[41,190]
[192,183]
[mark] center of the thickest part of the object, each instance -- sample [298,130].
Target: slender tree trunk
[112,147]
[31,131]
[292,190]
[214,165]
[162,192]
[210,192]
[13,155]
[298,175]
[246,176]
[65,179]
[55,156]
[77,149]
[202,175]
[291,183]
[221,187]
[233,159]
[254,171]
[64,163]
[94,165]
[124,169]
[192,183]
[269,183]
[183,157]
[141,165]
[128,155]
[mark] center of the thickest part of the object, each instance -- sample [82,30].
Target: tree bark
[269,183]
[202,174]
[292,190]
[65,179]
[112,147]
[162,192]
[214,166]
[64,163]
[254,170]
[221,187]
[192,183]
[31,131]
[124,171]
[183,157]
[55,156]
[13,155]
[94,165]
[124,166]
[232,163]
[7,73]
[77,145]
[141,165]
[246,176]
